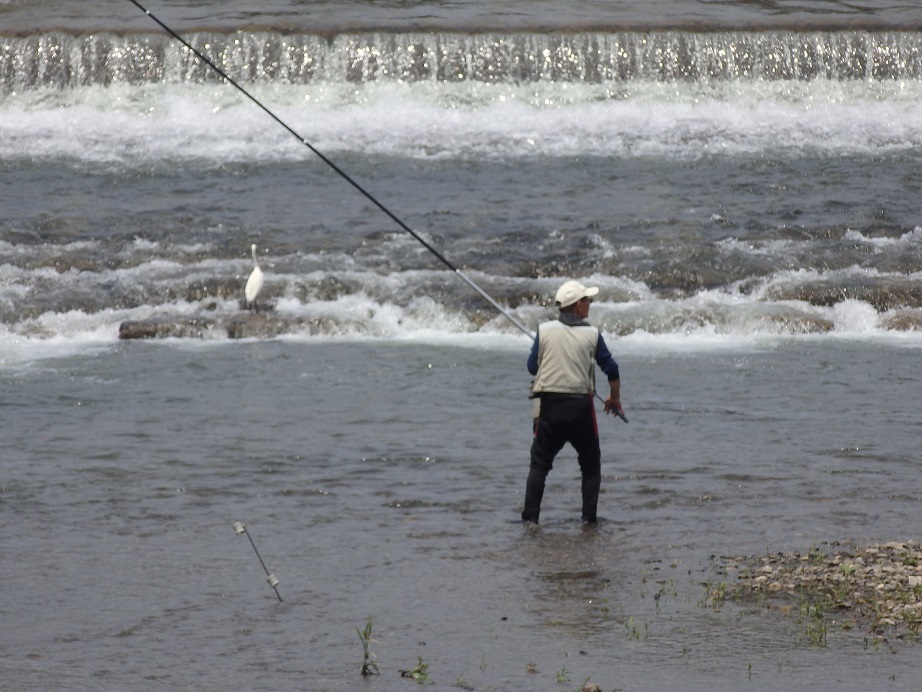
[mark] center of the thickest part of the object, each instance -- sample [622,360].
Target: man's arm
[604,358]
[613,402]
[533,357]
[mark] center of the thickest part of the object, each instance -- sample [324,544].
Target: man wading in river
[563,360]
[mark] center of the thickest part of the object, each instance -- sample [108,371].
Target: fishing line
[371,198]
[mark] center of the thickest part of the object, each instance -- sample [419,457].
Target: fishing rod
[371,198]
[345,176]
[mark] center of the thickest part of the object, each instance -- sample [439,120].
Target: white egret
[254,283]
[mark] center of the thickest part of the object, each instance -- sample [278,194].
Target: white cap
[572,291]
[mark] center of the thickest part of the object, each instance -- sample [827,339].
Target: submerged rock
[161,328]
[265,325]
[908,320]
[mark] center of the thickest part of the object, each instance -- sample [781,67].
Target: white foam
[142,125]
[855,317]
[57,336]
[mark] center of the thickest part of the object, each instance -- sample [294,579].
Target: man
[563,360]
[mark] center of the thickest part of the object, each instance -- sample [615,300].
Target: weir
[63,60]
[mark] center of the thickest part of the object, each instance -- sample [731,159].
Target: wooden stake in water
[240,527]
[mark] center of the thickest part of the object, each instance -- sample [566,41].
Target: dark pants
[564,418]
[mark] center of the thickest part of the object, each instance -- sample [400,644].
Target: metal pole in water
[239,528]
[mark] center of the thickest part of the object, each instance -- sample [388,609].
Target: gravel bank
[877,588]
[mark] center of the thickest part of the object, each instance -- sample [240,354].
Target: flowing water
[740,179]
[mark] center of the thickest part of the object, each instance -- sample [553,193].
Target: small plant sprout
[420,673]
[815,555]
[814,618]
[714,595]
[563,675]
[369,667]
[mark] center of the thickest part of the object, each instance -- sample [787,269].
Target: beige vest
[566,359]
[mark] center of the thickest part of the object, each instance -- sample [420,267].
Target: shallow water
[383,481]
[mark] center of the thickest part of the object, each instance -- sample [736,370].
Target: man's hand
[613,402]
[613,405]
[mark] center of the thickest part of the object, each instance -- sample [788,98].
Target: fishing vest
[566,359]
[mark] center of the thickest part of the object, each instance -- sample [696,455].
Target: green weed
[369,667]
[420,673]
